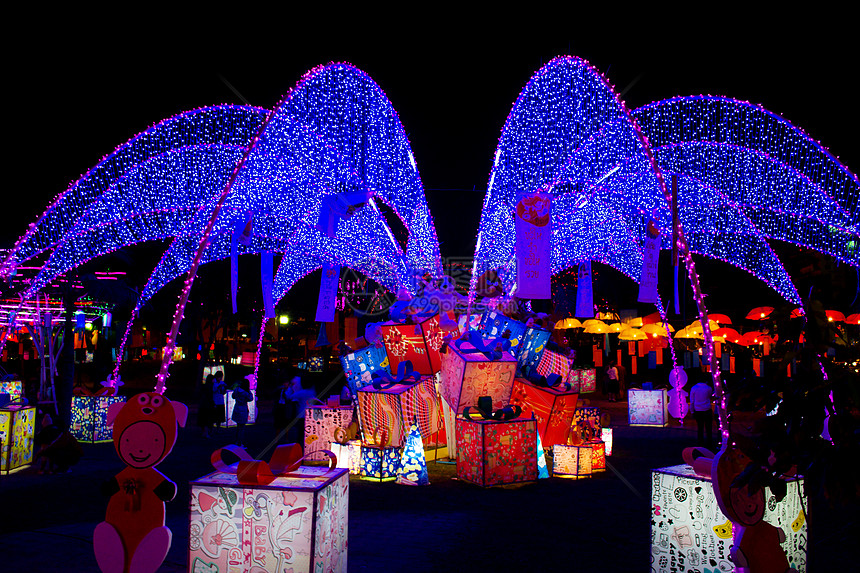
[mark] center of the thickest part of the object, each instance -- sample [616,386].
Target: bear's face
[145,428]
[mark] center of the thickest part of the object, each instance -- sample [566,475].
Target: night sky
[95,87]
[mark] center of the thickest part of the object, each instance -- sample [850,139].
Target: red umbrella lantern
[759,312]
[720,318]
[834,316]
[852,319]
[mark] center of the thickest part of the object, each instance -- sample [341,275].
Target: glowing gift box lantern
[420,343]
[553,407]
[495,324]
[598,456]
[554,363]
[360,365]
[17,430]
[491,452]
[413,464]
[315,364]
[468,375]
[13,388]
[298,521]
[89,418]
[690,533]
[348,455]
[379,463]
[647,407]
[587,422]
[391,408]
[321,423]
[533,345]
[587,379]
[573,462]
[606,437]
[230,403]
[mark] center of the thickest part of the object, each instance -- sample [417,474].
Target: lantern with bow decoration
[499,447]
[553,403]
[322,422]
[90,413]
[415,332]
[271,515]
[475,367]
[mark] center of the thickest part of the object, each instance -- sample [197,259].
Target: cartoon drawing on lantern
[285,524]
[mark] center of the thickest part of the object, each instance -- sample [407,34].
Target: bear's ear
[112,412]
[181,411]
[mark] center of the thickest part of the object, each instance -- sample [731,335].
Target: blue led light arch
[745,175]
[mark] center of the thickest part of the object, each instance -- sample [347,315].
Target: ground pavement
[598,524]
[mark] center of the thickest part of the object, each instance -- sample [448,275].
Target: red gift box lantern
[468,376]
[491,452]
[419,343]
[552,407]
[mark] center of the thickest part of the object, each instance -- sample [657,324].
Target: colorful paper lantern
[553,409]
[321,422]
[533,345]
[572,462]
[379,463]
[419,343]
[647,407]
[598,456]
[587,422]
[360,365]
[606,437]
[297,521]
[315,364]
[17,432]
[493,452]
[686,521]
[466,377]
[413,464]
[495,324]
[391,410]
[587,379]
[89,418]
[13,388]
[543,470]
[348,455]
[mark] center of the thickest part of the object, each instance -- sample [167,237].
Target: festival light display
[193,177]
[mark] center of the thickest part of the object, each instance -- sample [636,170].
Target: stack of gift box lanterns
[492,395]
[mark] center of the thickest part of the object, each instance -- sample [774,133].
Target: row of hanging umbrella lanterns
[641,328]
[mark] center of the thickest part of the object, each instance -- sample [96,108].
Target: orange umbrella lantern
[568,323]
[688,333]
[697,326]
[759,312]
[654,330]
[616,327]
[632,334]
[720,318]
[834,316]
[852,319]
[596,327]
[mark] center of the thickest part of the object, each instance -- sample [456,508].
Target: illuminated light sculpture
[587,379]
[17,432]
[321,423]
[491,452]
[189,179]
[553,407]
[393,408]
[647,407]
[744,176]
[299,521]
[90,418]
[587,422]
[687,522]
[348,455]
[572,462]
[466,376]
[419,343]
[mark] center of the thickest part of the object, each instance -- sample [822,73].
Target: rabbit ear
[181,412]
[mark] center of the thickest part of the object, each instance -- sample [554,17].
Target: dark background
[75,90]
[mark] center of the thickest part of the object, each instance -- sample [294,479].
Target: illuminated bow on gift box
[285,459]
[418,307]
[551,381]
[343,435]
[485,409]
[84,391]
[382,380]
[492,348]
